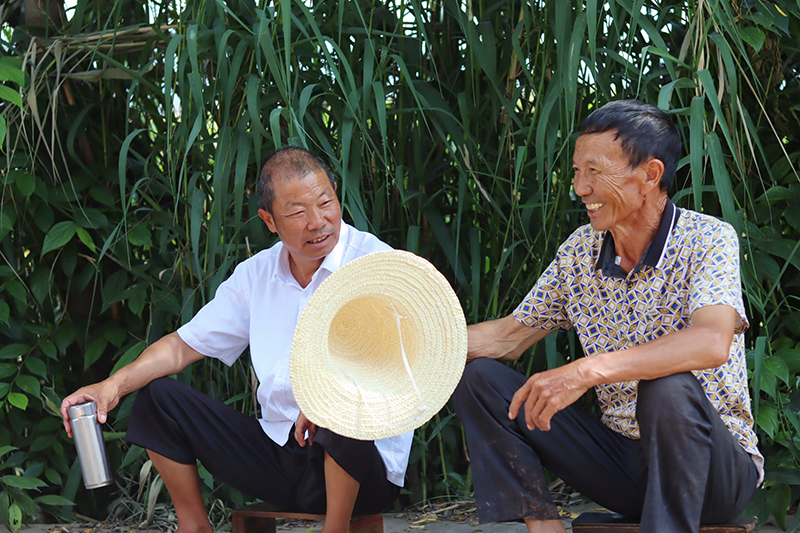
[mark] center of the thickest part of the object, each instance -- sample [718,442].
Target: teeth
[320,239]
[593,207]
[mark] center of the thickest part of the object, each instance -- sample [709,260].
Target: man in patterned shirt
[654,293]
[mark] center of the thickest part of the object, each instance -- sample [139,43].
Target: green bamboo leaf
[21,482]
[713,98]
[696,150]
[53,499]
[722,179]
[5,312]
[59,235]
[759,354]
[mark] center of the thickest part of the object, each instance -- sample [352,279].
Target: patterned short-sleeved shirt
[693,262]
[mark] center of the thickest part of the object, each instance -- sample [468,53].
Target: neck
[303,271]
[631,240]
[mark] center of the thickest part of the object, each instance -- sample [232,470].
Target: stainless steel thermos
[89,442]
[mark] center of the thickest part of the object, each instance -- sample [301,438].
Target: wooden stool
[256,518]
[615,523]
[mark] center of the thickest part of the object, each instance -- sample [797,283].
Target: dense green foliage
[129,165]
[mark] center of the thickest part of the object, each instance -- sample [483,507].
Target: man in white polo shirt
[282,457]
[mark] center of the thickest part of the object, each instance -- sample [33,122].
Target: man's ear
[654,171]
[268,219]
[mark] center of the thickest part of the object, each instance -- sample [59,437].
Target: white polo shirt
[259,306]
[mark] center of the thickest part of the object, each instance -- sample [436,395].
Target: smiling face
[614,194]
[307,217]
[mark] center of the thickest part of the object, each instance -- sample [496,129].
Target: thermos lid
[80,410]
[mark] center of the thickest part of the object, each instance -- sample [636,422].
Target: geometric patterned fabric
[696,265]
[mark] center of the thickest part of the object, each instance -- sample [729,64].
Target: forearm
[706,344]
[167,356]
[504,339]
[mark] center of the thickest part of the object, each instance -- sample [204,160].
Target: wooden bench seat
[260,518]
[592,522]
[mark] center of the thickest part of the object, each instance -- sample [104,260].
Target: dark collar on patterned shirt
[607,260]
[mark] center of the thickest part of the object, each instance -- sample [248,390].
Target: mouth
[593,207]
[319,240]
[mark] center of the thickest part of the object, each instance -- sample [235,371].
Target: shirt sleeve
[716,278]
[544,307]
[221,328]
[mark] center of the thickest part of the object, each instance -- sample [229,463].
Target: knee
[674,401]
[154,392]
[477,380]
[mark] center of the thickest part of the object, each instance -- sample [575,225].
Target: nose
[316,218]
[581,184]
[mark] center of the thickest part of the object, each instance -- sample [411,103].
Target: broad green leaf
[7,93]
[48,348]
[18,400]
[36,366]
[53,477]
[15,517]
[129,356]
[40,282]
[28,384]
[13,351]
[5,312]
[5,449]
[26,183]
[782,474]
[59,235]
[27,483]
[86,239]
[93,352]
[11,70]
[53,499]
[7,369]
[139,235]
[5,224]
[768,418]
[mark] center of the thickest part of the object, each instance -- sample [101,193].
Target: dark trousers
[686,469]
[185,425]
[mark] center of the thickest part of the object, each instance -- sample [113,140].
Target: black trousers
[185,425]
[686,469]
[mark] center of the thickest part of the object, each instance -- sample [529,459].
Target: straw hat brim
[347,363]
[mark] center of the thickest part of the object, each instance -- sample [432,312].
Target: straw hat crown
[379,348]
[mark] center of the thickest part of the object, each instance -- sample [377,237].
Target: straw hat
[379,348]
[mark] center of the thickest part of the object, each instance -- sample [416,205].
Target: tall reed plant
[128,181]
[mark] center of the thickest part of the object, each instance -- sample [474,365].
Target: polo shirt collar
[331,263]
[606,260]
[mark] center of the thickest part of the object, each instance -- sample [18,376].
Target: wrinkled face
[306,215]
[612,192]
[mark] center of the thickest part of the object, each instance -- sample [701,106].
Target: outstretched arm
[706,344]
[169,355]
[504,339]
